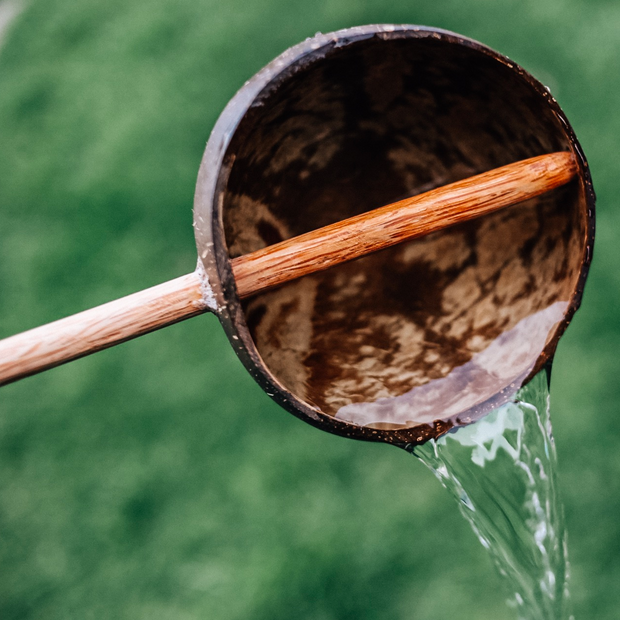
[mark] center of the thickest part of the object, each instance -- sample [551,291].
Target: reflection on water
[501,470]
[499,369]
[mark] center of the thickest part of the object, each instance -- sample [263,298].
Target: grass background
[155,480]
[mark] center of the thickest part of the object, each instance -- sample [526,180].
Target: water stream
[501,469]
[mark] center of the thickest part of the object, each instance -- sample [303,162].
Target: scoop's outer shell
[213,258]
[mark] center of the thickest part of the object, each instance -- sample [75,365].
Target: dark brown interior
[432,328]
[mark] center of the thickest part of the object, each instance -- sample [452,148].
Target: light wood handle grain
[99,328]
[115,322]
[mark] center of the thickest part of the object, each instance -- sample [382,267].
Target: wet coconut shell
[443,328]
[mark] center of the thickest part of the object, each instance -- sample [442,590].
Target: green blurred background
[156,480]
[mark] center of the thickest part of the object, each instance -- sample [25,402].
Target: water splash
[501,470]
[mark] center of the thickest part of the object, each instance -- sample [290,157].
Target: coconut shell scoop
[387,323]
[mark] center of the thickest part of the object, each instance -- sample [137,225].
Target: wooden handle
[410,218]
[99,328]
[115,322]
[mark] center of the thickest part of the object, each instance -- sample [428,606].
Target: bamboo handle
[115,322]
